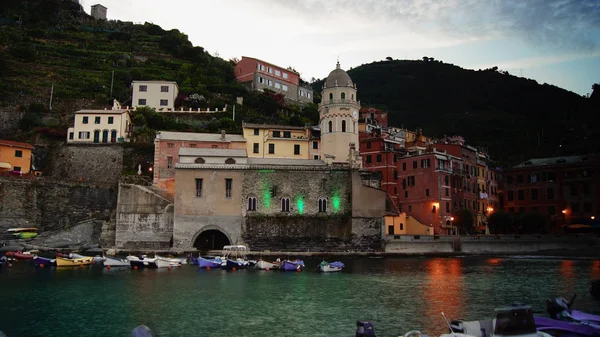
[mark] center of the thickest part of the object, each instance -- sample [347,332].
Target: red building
[374,116]
[565,189]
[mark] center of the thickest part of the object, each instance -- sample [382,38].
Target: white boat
[234,256]
[514,321]
[265,265]
[116,262]
[174,260]
[143,262]
[326,267]
[161,263]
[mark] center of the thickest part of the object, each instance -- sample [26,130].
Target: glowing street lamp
[592,217]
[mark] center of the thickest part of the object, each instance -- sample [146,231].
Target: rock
[11,248]
[94,251]
[111,252]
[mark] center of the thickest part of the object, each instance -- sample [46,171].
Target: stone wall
[9,121]
[51,205]
[144,219]
[87,163]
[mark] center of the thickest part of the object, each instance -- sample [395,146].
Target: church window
[252,204]
[330,95]
[343,126]
[352,97]
[322,205]
[343,95]
[285,204]
[330,126]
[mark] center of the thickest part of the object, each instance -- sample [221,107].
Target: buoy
[169,267]
[93,262]
[267,269]
[10,265]
[41,265]
[135,267]
[233,269]
[108,266]
[80,266]
[298,270]
[207,268]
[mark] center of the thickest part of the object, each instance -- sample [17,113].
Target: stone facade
[87,163]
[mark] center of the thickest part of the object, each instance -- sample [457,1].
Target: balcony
[444,169]
[340,101]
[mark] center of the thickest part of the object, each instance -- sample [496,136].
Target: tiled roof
[16,144]
[101,111]
[271,64]
[285,162]
[271,126]
[198,137]
[190,151]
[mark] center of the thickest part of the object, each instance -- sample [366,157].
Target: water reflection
[444,289]
[568,274]
[595,270]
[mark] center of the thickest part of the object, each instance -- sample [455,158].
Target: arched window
[330,95]
[96,136]
[343,126]
[113,136]
[285,204]
[230,161]
[353,97]
[199,161]
[343,95]
[252,204]
[330,126]
[105,136]
[323,205]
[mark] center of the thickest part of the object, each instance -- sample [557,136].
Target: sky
[551,41]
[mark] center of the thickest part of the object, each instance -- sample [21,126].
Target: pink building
[166,151]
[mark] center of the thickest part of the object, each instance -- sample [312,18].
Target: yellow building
[279,141]
[101,126]
[15,156]
[403,224]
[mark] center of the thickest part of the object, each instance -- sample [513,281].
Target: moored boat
[38,260]
[22,229]
[24,235]
[327,267]
[20,255]
[266,265]
[64,262]
[234,256]
[110,261]
[291,265]
[143,262]
[173,260]
[204,262]
[193,261]
[237,264]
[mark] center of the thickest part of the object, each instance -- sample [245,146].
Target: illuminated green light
[300,205]
[336,203]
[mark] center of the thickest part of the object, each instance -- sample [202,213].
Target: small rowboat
[38,260]
[63,262]
[115,262]
[22,229]
[209,263]
[292,265]
[20,255]
[332,267]
[265,265]
[25,235]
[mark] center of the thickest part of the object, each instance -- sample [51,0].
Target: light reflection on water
[398,295]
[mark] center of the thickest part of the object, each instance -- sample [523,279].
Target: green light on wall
[336,203]
[266,197]
[300,205]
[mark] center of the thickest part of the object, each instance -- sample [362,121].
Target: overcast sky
[551,41]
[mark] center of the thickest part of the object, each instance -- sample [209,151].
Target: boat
[20,255]
[266,265]
[561,309]
[160,263]
[3,260]
[514,321]
[566,322]
[95,259]
[205,262]
[110,261]
[193,260]
[595,289]
[291,265]
[143,262]
[22,229]
[332,267]
[38,260]
[64,262]
[234,256]
[173,260]
[25,235]
[364,329]
[59,254]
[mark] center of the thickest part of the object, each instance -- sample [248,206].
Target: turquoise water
[398,295]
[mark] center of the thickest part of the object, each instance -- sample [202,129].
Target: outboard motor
[556,306]
[364,329]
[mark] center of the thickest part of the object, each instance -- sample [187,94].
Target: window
[287,134]
[142,101]
[395,175]
[214,146]
[330,96]
[447,207]
[96,136]
[587,190]
[17,168]
[285,204]
[379,158]
[343,95]
[575,208]
[426,192]
[270,83]
[520,179]
[84,135]
[411,181]
[285,75]
[193,146]
[534,194]
[261,80]
[573,189]
[277,72]
[164,102]
[521,195]
[368,159]
[71,135]
[270,70]
[256,132]
[330,126]
[113,136]
[403,166]
[18,153]
[97,119]
[252,204]
[277,85]
[322,205]
[255,148]
[446,180]
[425,163]
[111,120]
[170,145]
[410,208]
[230,161]
[169,162]
[284,87]
[228,183]
[164,88]
[85,120]
[261,67]
[510,196]
[316,157]
[276,134]
[315,145]
[296,149]
[415,164]
[447,191]
[143,88]
[198,188]
[272,148]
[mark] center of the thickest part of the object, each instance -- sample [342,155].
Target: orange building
[15,156]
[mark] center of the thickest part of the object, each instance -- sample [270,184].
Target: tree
[532,223]
[389,58]
[463,220]
[501,223]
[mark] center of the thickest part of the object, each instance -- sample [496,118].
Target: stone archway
[211,238]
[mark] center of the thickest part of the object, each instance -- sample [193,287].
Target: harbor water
[396,294]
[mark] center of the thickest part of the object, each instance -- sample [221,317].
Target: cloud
[554,24]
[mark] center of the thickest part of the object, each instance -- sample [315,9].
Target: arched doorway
[211,239]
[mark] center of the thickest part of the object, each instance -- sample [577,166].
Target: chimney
[222,135]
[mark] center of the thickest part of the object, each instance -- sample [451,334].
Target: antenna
[448,324]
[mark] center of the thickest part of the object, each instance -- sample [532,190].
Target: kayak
[22,229]
[25,235]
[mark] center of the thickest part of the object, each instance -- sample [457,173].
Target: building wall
[265,81]
[154,95]
[405,225]
[8,154]
[284,147]
[104,130]
[87,163]
[99,12]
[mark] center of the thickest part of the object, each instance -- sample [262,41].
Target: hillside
[515,118]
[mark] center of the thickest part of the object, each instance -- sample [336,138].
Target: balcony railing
[339,101]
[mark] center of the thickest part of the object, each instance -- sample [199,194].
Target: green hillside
[515,118]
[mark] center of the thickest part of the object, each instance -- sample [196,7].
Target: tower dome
[338,78]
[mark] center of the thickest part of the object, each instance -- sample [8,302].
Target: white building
[101,126]
[159,95]
[99,12]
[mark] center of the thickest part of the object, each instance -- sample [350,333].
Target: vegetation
[509,223]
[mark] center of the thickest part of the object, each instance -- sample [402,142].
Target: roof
[338,78]
[269,63]
[169,82]
[96,5]
[198,137]
[190,151]
[554,161]
[16,144]
[285,162]
[102,111]
[271,126]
